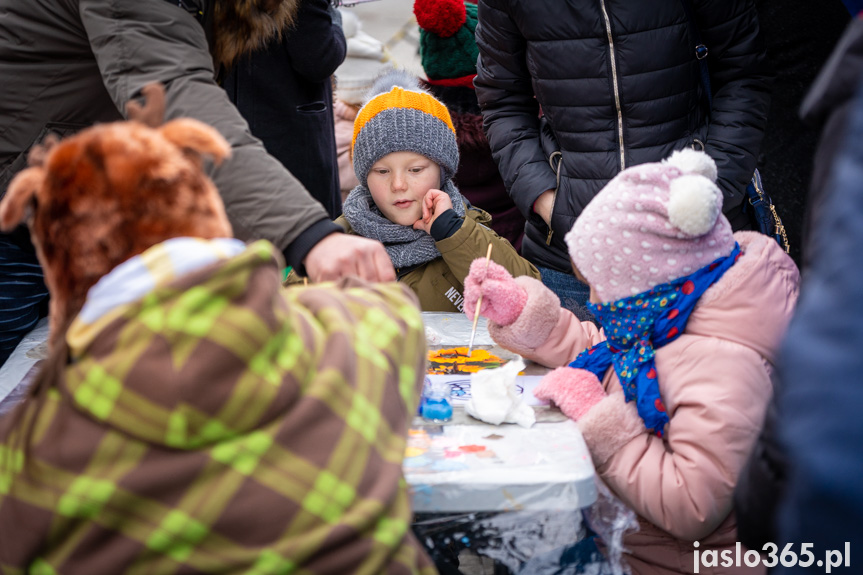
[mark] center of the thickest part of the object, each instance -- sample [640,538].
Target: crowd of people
[164,163]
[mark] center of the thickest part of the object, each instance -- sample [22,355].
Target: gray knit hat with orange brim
[400,116]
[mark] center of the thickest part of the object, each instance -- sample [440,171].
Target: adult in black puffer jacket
[619,85]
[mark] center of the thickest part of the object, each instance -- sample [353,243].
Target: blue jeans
[572,293]
[22,295]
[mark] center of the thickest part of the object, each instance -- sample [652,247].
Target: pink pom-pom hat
[651,224]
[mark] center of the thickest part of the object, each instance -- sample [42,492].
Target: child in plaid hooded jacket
[194,416]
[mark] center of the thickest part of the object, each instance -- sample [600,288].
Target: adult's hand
[543,205]
[341,255]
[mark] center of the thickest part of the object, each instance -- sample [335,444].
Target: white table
[506,492]
[464,468]
[21,366]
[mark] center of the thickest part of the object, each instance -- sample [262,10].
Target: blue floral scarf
[638,325]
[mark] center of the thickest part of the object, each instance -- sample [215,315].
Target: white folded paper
[494,398]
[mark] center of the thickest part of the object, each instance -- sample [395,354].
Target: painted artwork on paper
[456,361]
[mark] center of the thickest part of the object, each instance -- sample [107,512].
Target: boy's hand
[435,203]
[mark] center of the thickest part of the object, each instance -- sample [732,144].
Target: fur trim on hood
[243,26]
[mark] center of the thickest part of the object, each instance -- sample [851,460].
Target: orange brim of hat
[400,98]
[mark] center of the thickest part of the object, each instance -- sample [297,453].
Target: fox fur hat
[98,198]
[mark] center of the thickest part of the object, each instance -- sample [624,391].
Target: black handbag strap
[700,51]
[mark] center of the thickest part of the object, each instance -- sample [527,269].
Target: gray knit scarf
[405,245]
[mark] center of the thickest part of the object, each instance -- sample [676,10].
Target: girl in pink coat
[671,392]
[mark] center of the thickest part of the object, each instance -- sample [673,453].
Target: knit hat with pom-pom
[400,116]
[448,50]
[651,224]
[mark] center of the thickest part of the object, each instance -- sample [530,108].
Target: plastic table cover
[526,498]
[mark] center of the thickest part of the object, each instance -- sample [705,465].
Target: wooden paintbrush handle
[478,305]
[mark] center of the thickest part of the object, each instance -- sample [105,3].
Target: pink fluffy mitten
[502,298]
[574,391]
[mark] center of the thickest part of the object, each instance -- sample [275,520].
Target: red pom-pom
[441,17]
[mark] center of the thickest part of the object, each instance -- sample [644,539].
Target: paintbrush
[478,305]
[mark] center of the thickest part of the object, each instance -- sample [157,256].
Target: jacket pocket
[551,150]
[312,108]
[10,170]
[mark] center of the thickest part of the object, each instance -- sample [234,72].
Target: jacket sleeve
[715,392]
[344,129]
[316,44]
[136,43]
[471,242]
[510,111]
[761,485]
[544,331]
[741,84]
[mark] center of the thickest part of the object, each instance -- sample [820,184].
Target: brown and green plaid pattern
[224,424]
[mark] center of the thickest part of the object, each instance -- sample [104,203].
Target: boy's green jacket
[439,283]
[223,424]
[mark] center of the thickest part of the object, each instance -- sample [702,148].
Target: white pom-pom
[693,162]
[392,78]
[694,204]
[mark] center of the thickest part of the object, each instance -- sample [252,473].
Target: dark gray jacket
[66,64]
[618,84]
[828,105]
[830,102]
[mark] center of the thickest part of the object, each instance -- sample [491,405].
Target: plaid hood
[158,369]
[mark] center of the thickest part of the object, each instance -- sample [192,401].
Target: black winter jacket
[285,93]
[619,84]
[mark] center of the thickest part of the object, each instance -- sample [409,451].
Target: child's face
[399,181]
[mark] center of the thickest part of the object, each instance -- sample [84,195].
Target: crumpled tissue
[494,399]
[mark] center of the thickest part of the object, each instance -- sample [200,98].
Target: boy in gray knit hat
[405,155]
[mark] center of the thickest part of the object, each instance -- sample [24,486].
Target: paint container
[435,405]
